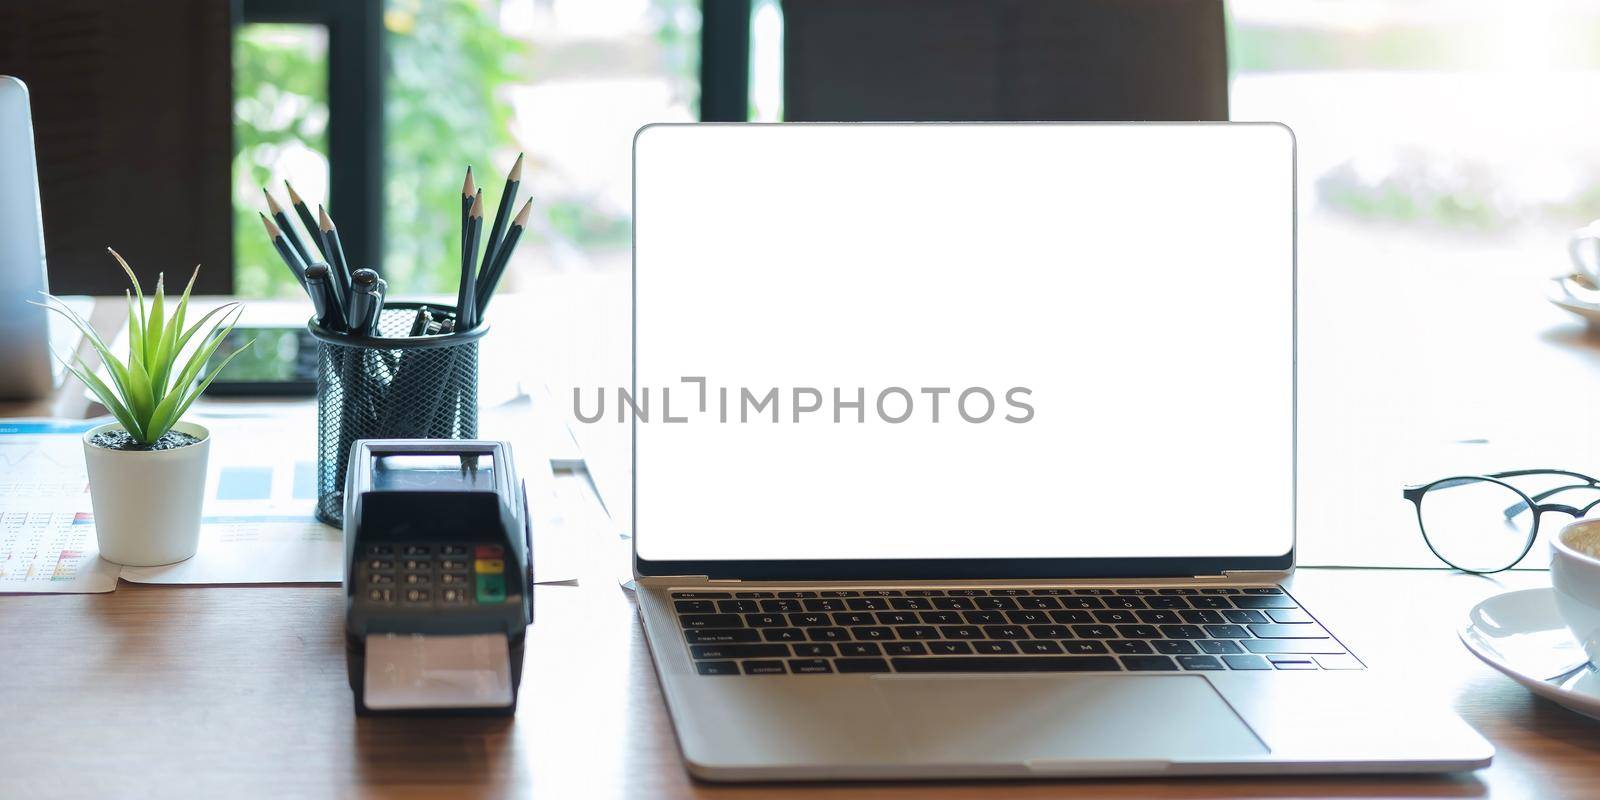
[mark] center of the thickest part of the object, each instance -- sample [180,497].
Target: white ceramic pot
[1576,579]
[147,502]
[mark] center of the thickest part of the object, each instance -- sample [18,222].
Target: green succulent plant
[149,393]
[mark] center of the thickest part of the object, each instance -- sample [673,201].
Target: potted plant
[147,470]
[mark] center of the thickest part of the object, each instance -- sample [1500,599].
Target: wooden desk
[241,691]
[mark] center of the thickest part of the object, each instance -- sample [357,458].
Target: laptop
[25,369]
[968,451]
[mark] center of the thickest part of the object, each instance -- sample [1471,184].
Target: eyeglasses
[1481,524]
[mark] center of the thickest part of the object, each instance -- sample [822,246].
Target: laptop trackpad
[1064,718]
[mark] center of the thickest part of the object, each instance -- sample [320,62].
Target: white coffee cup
[1575,574]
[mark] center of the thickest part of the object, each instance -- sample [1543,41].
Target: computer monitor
[24,329]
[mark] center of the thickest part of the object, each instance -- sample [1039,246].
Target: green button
[491,588]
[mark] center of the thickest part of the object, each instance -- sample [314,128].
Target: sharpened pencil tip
[467,186]
[477,205]
[522,216]
[294,197]
[272,230]
[516,170]
[324,221]
[272,205]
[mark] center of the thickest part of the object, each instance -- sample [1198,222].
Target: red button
[488,551]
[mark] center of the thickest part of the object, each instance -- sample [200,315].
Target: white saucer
[1521,634]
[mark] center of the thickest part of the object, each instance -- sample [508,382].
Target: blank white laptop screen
[1123,294]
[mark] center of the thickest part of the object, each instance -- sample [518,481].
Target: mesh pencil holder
[392,386]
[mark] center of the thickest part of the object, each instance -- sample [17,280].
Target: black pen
[363,302]
[330,314]
[419,324]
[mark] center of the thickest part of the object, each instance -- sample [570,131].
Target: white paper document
[47,539]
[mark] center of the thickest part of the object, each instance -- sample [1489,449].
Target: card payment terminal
[437,576]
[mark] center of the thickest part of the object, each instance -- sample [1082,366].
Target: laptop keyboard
[821,632]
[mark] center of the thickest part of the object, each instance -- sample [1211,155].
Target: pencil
[497,270]
[338,268]
[306,219]
[468,189]
[508,201]
[467,291]
[291,259]
[289,233]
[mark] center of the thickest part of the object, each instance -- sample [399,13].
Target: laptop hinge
[1248,575]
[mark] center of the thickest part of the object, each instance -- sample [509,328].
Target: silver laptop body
[24,332]
[1077,576]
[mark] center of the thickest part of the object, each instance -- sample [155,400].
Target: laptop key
[1149,664]
[1210,601]
[738,606]
[721,635]
[1292,663]
[1008,592]
[1159,618]
[1220,590]
[917,632]
[1079,647]
[810,666]
[1050,632]
[897,618]
[764,668]
[1293,646]
[720,651]
[966,592]
[1288,615]
[1094,631]
[1005,631]
[1263,590]
[867,603]
[995,603]
[1219,647]
[1119,616]
[1071,617]
[953,603]
[1204,617]
[941,618]
[861,665]
[994,648]
[797,595]
[881,592]
[854,618]
[781,606]
[961,632]
[1081,602]
[841,593]
[1166,602]
[811,620]
[1123,601]
[785,634]
[813,650]
[1008,664]
[828,634]
[1301,631]
[1027,617]
[1052,592]
[1240,616]
[910,603]
[1183,632]
[1093,591]
[1174,647]
[717,667]
[754,595]
[824,604]
[766,620]
[1263,601]
[1182,591]
[695,606]
[1136,591]
[1129,647]
[873,634]
[1038,647]
[924,592]
[700,595]
[1039,603]
[1139,631]
[905,649]
[1246,662]
[984,618]
[1199,662]
[949,648]
[710,620]
[1228,631]
[859,649]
